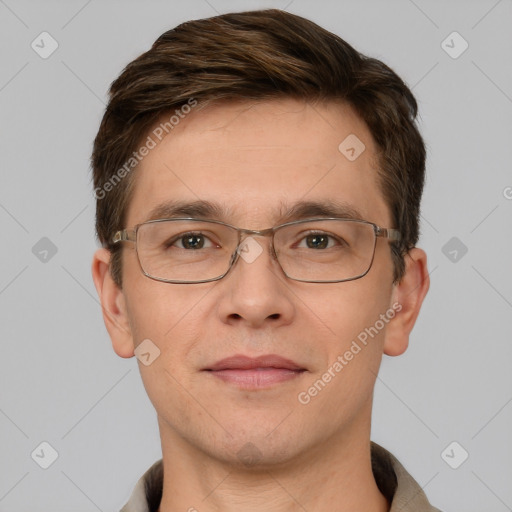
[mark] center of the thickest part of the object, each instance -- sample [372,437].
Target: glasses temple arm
[124,235]
[390,233]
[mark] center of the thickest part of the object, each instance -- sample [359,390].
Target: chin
[258,449]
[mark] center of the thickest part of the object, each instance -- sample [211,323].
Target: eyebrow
[284,213]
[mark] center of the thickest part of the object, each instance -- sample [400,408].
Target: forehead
[257,159]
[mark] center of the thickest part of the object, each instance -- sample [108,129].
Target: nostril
[275,316]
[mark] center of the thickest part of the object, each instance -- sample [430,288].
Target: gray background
[62,383]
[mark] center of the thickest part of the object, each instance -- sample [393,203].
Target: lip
[241,362]
[255,373]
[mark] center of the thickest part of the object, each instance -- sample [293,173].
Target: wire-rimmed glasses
[191,250]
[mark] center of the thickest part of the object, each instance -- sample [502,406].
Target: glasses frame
[130,235]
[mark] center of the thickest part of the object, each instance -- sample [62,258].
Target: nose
[255,291]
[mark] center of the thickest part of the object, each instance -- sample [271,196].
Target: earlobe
[408,297]
[113,305]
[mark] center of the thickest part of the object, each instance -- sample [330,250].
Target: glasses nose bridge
[269,232]
[255,232]
[246,233]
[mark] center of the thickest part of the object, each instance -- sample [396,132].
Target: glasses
[188,250]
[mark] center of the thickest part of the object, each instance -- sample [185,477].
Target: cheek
[345,309]
[169,316]
[355,314]
[343,387]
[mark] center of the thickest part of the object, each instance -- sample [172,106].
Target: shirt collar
[394,482]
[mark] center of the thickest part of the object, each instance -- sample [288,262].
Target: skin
[250,158]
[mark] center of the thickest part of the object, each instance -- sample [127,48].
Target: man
[258,185]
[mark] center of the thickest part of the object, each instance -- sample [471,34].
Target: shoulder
[147,493]
[395,482]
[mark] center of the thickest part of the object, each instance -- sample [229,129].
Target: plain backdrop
[60,381]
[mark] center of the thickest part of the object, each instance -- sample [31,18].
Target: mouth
[255,373]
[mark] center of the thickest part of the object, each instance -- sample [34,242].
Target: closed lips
[266,362]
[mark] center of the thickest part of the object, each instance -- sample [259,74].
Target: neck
[335,475]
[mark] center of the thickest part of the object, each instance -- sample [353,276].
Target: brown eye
[192,241]
[317,241]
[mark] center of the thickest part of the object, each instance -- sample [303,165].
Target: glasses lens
[185,250]
[325,250]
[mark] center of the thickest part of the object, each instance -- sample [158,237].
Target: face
[255,161]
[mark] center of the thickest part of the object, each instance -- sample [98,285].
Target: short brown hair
[258,55]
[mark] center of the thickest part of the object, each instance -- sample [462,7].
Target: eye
[191,241]
[319,241]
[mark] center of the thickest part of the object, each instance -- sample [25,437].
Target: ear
[408,295]
[113,305]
